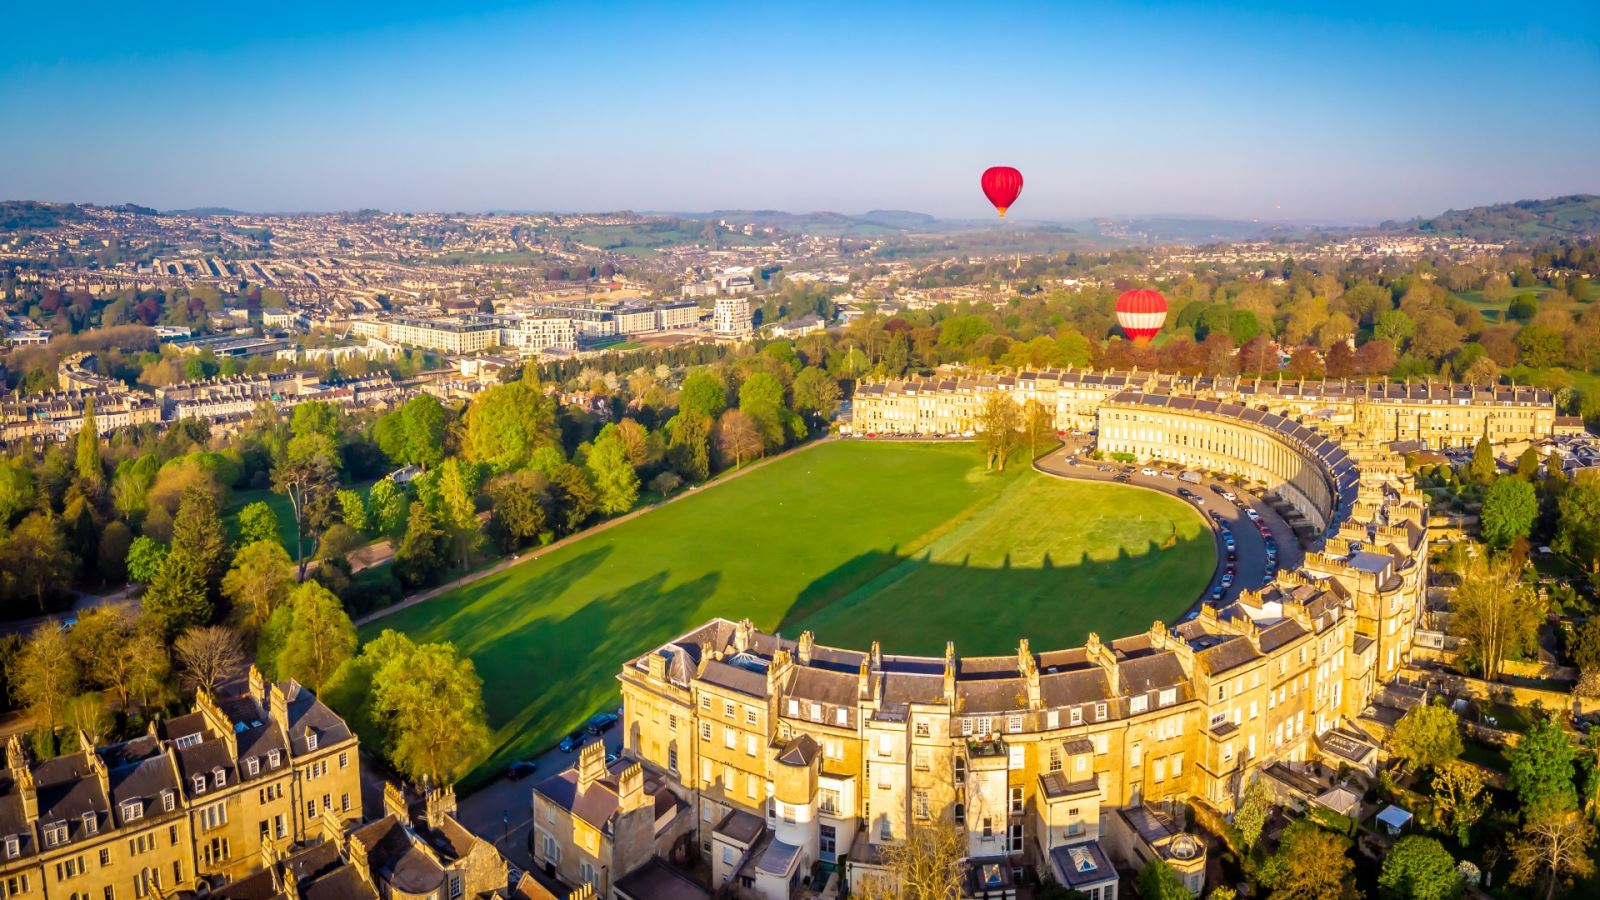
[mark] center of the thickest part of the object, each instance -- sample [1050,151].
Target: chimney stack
[591,764]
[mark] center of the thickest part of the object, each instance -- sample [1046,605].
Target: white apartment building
[734,317]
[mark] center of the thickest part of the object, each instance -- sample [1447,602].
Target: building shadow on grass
[913,604]
[548,672]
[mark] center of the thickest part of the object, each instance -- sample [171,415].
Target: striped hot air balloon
[1140,313]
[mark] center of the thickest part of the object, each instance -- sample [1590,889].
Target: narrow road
[81,603]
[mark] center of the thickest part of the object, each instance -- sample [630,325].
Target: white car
[1148,471]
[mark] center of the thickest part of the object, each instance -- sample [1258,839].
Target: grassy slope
[548,636]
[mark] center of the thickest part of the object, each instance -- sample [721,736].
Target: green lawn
[908,544]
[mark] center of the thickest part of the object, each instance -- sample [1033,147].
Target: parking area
[1253,540]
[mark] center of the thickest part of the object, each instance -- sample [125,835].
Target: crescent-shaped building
[1068,762]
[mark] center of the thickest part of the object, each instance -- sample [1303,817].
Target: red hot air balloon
[1140,313]
[1002,185]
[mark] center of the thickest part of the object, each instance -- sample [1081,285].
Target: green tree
[257,522]
[45,675]
[91,470]
[1310,864]
[1428,736]
[1255,807]
[616,483]
[1482,467]
[573,497]
[320,636]
[518,509]
[425,420]
[1509,508]
[458,511]
[113,552]
[1493,611]
[17,494]
[1541,770]
[1419,868]
[761,399]
[36,560]
[430,704]
[353,509]
[689,450]
[506,423]
[258,582]
[1585,649]
[422,555]
[145,556]
[1458,798]
[387,506]
[1393,326]
[704,394]
[177,597]
[1578,528]
[308,475]
[197,535]
[1528,464]
[1159,881]
[816,394]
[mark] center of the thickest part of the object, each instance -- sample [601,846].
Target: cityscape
[602,452]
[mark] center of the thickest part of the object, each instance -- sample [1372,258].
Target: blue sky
[1294,111]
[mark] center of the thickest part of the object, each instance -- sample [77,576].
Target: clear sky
[1286,110]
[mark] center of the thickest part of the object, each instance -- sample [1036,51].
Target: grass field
[909,544]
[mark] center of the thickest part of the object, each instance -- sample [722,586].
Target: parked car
[602,723]
[521,769]
[1148,472]
[1191,477]
[1217,592]
[572,742]
[1168,473]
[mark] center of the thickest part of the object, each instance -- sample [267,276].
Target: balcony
[986,747]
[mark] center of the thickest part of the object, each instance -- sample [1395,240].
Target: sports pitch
[910,544]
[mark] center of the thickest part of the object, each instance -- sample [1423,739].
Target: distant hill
[1525,221]
[205,211]
[878,223]
[29,215]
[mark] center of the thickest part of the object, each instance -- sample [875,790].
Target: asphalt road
[1249,545]
[502,810]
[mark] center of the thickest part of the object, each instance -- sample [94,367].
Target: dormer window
[55,834]
[219,777]
[272,759]
[1138,704]
[199,784]
[1169,696]
[311,741]
[253,766]
[169,799]
[132,810]
[13,847]
[188,740]
[91,823]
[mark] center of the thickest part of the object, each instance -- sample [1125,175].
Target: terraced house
[194,802]
[1069,762]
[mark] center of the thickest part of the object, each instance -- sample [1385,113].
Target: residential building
[734,318]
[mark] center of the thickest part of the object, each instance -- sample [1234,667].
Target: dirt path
[537,552]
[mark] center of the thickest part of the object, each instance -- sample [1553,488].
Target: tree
[1578,531]
[353,509]
[761,399]
[1585,649]
[177,598]
[816,394]
[36,560]
[1311,864]
[1159,881]
[307,474]
[573,497]
[197,535]
[112,562]
[429,702]
[927,866]
[424,420]
[1494,613]
[1428,736]
[1458,798]
[1255,807]
[704,394]
[1541,770]
[689,450]
[999,424]
[209,657]
[1419,868]
[739,438]
[1509,508]
[1554,847]
[260,579]
[319,639]
[257,522]
[421,556]
[1528,465]
[45,675]
[1038,425]
[387,506]
[615,481]
[17,493]
[1482,467]
[506,423]
[518,514]
[86,714]
[458,511]
[145,556]
[91,471]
